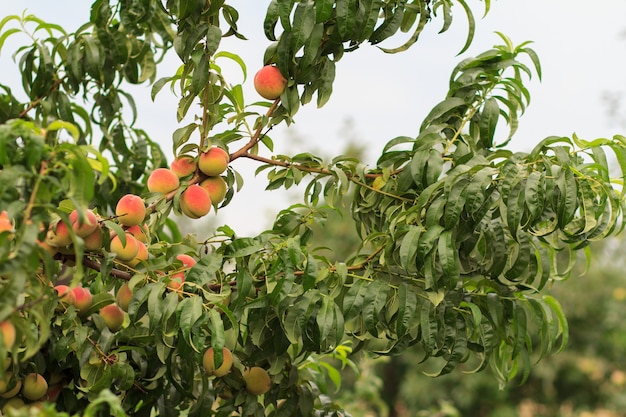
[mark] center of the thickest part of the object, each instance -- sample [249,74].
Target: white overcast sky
[581,45]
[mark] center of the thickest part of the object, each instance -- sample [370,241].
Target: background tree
[107,309]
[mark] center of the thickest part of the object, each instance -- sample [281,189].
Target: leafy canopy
[459,235]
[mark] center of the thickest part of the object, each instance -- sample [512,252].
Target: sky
[381,96]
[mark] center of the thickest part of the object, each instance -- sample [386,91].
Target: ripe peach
[162,180]
[123,296]
[85,226]
[34,386]
[269,82]
[82,299]
[7,330]
[184,165]
[59,235]
[214,161]
[177,279]
[216,186]
[208,362]
[187,260]
[139,231]
[142,255]
[125,252]
[113,316]
[130,210]
[195,202]
[257,380]
[65,294]
[6,225]
[94,240]
[6,389]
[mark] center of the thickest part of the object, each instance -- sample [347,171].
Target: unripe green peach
[214,161]
[7,330]
[6,389]
[257,380]
[123,296]
[113,316]
[125,252]
[13,404]
[94,240]
[195,202]
[34,386]
[216,187]
[208,362]
[59,235]
[162,180]
[82,299]
[85,226]
[184,165]
[269,82]
[130,210]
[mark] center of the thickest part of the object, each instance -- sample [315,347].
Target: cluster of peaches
[129,248]
[204,187]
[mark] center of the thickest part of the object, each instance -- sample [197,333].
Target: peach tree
[106,309]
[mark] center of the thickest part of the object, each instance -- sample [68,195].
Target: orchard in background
[107,310]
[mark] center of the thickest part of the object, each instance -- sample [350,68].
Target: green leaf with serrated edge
[408,247]
[218,338]
[284,12]
[456,201]
[428,327]
[424,17]
[447,252]
[312,45]
[354,299]
[407,309]
[366,25]
[346,17]
[375,298]
[390,26]
[441,109]
[303,24]
[563,326]
[488,121]
[427,241]
[189,312]
[567,200]
[323,10]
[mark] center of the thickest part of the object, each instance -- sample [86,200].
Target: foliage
[459,236]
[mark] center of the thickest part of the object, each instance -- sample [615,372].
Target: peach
[123,296]
[94,240]
[65,294]
[208,362]
[34,386]
[7,330]
[177,279]
[162,180]
[59,235]
[187,260]
[83,227]
[269,82]
[214,161]
[257,380]
[6,225]
[142,255]
[113,316]
[139,231]
[216,186]
[6,389]
[130,210]
[82,299]
[125,252]
[184,165]
[195,202]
